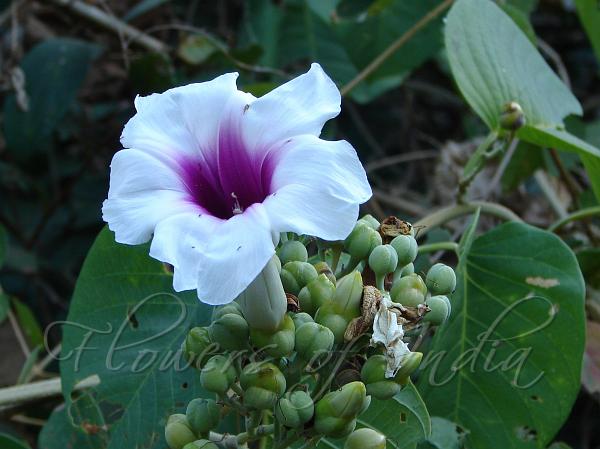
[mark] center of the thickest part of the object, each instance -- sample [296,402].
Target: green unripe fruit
[277,344]
[295,410]
[217,375]
[301,318]
[409,290]
[337,324]
[292,250]
[383,260]
[232,307]
[365,438]
[361,241]
[370,221]
[407,270]
[440,309]
[197,347]
[178,432]
[441,279]
[348,295]
[230,331]
[264,303]
[201,444]
[263,384]
[373,375]
[336,412]
[406,248]
[410,363]
[203,415]
[316,293]
[295,275]
[312,340]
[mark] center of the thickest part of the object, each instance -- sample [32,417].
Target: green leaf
[196,49]
[10,442]
[404,420]
[506,367]
[444,435]
[54,70]
[28,323]
[60,431]
[589,14]
[526,159]
[493,63]
[131,324]
[143,7]
[589,261]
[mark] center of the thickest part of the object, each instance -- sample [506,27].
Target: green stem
[447,214]
[312,442]
[577,215]
[439,246]
[475,163]
[287,441]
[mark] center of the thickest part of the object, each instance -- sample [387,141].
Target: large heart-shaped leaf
[126,325]
[493,63]
[404,420]
[506,367]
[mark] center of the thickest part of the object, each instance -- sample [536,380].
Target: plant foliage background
[423,85]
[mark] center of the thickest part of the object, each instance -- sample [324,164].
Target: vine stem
[42,389]
[451,212]
[438,246]
[583,213]
[395,46]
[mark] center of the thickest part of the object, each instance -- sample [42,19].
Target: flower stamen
[237,209]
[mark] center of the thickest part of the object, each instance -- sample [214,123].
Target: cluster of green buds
[296,353]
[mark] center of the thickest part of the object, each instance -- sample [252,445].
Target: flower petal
[332,166]
[300,106]
[179,240]
[318,186]
[238,251]
[181,121]
[143,191]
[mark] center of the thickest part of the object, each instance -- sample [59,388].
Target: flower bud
[441,279]
[263,383]
[361,241]
[202,415]
[323,268]
[512,116]
[410,363]
[217,375]
[409,290]
[295,409]
[295,275]
[316,293]
[313,339]
[384,390]
[301,318]
[336,323]
[440,309]
[201,444]
[276,344]
[406,247]
[370,221]
[230,331]
[336,412]
[178,432]
[348,294]
[264,303]
[403,271]
[197,347]
[292,250]
[232,307]
[365,438]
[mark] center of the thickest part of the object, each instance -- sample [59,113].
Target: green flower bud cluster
[284,354]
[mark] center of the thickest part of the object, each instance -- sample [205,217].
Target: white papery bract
[212,175]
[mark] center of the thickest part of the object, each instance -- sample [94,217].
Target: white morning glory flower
[212,175]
